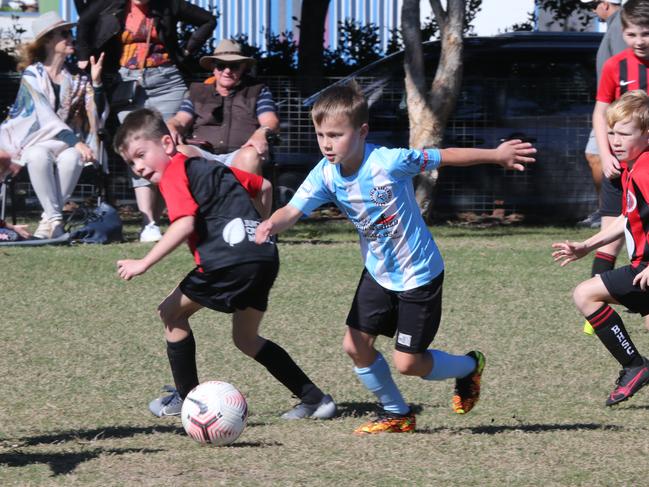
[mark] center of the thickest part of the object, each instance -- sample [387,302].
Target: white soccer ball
[214,412]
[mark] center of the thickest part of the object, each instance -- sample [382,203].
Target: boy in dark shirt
[210,206]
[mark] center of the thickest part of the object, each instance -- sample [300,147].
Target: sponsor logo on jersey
[381,195]
[382,228]
[238,229]
[624,83]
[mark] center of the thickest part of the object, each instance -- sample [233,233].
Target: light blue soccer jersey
[396,246]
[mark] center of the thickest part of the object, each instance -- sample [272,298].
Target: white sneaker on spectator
[48,229]
[43,230]
[56,229]
[150,233]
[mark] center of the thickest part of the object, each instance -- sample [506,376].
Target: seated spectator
[231,111]
[52,127]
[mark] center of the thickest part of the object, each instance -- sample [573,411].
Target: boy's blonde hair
[141,124]
[341,100]
[632,105]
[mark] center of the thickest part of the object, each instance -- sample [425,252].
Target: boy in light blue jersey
[400,289]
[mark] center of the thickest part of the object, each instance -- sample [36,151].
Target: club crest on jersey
[381,195]
[631,202]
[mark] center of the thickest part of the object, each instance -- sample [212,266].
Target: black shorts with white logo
[610,197]
[414,314]
[237,287]
[619,283]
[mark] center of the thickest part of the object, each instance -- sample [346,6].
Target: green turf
[83,353]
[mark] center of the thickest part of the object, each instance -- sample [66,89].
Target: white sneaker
[325,409]
[150,233]
[56,229]
[169,405]
[49,229]
[43,230]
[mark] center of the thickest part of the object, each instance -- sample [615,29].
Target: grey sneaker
[325,409]
[167,405]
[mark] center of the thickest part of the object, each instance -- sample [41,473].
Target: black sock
[281,366]
[601,263]
[182,358]
[610,330]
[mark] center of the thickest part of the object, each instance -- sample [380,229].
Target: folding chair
[8,186]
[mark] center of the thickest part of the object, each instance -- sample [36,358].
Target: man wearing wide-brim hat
[230,114]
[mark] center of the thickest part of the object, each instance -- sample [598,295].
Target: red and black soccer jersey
[220,199]
[635,207]
[621,73]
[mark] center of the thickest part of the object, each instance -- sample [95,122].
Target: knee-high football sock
[378,380]
[601,263]
[281,366]
[446,366]
[611,331]
[182,358]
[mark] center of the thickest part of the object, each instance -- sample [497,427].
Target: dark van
[535,86]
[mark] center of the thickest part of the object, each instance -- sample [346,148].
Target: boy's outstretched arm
[176,234]
[511,154]
[279,221]
[566,252]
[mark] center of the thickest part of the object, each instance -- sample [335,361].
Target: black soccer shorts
[414,314]
[240,286]
[610,197]
[619,283]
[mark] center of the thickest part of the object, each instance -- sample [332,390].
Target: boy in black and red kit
[628,136]
[624,72]
[215,209]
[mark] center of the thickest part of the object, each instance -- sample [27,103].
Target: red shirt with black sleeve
[635,207]
[621,73]
[220,200]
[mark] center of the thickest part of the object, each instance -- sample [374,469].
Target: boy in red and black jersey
[628,136]
[624,72]
[210,207]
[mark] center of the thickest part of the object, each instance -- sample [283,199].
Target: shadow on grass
[106,433]
[63,463]
[357,409]
[313,241]
[109,432]
[525,428]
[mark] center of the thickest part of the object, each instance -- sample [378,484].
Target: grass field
[83,353]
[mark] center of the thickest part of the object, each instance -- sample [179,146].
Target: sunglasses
[220,66]
[65,34]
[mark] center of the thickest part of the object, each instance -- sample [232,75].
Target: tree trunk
[311,44]
[429,112]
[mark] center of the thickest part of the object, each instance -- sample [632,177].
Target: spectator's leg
[40,166]
[165,91]
[146,197]
[248,159]
[68,170]
[595,164]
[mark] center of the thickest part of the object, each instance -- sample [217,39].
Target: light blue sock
[377,378]
[446,366]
